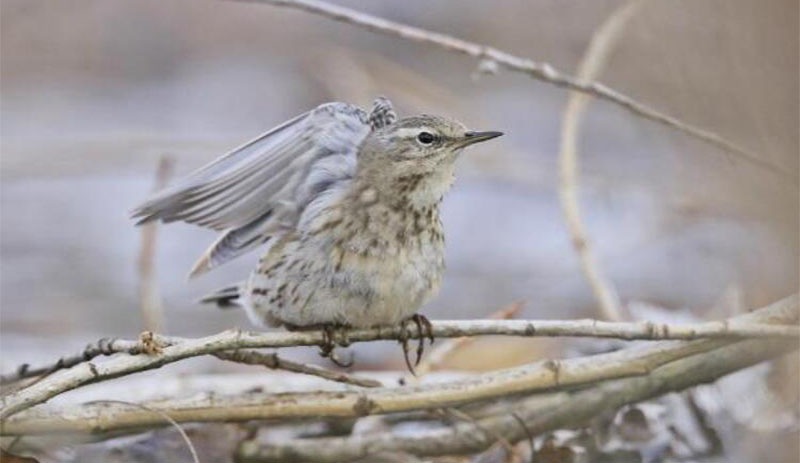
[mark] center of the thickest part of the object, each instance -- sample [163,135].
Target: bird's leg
[333,334]
[327,345]
[424,330]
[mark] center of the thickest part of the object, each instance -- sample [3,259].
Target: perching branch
[439,352]
[164,350]
[537,70]
[584,328]
[601,45]
[536,377]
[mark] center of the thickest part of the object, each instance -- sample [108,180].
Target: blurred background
[94,93]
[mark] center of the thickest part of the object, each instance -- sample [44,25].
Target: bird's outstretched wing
[262,187]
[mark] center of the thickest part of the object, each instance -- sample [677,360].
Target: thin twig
[545,375]
[149,298]
[499,439]
[537,70]
[105,346]
[272,361]
[164,350]
[163,415]
[528,434]
[601,45]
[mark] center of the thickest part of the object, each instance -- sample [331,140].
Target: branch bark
[540,413]
[272,361]
[104,346]
[162,350]
[536,377]
[538,70]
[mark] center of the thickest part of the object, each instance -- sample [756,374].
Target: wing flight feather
[261,187]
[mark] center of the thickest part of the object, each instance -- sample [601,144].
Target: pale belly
[348,288]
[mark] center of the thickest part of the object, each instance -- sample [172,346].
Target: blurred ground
[93,92]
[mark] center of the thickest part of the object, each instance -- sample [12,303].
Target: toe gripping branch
[424,329]
[332,336]
[417,326]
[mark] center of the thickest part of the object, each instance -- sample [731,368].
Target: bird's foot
[334,335]
[424,329]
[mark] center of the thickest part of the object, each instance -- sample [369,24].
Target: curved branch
[540,71]
[603,41]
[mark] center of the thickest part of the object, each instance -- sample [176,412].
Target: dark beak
[476,137]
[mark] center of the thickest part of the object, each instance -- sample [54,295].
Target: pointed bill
[477,137]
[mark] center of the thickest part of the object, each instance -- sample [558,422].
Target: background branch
[603,41]
[537,70]
[149,298]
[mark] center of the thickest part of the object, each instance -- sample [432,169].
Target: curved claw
[428,327]
[333,335]
[403,340]
[424,330]
[420,339]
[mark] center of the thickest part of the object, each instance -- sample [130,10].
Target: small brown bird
[347,203]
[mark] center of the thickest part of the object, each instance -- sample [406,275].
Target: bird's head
[423,140]
[421,146]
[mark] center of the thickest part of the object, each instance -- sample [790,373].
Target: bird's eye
[426,138]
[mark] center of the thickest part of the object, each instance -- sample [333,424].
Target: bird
[346,204]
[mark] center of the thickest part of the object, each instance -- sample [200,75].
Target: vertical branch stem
[149,295]
[601,45]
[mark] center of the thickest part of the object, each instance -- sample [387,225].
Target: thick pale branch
[537,70]
[529,378]
[540,413]
[168,350]
[546,375]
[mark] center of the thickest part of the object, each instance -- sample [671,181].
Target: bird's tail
[225,298]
